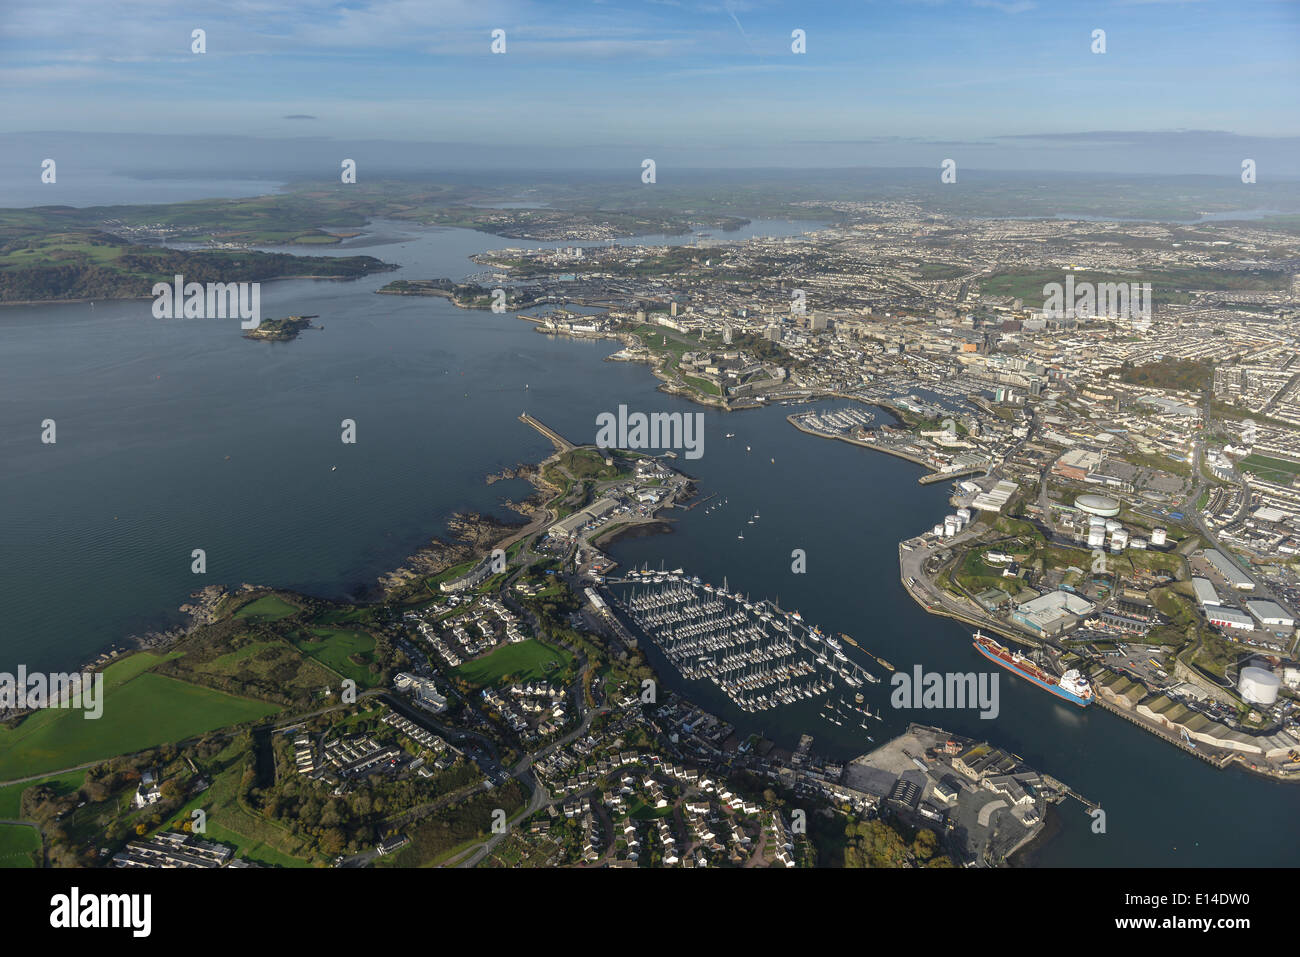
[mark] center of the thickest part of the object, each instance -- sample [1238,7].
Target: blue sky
[1184,86]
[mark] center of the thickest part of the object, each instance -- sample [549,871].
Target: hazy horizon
[1182,87]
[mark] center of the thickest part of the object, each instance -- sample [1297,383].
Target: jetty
[559,441]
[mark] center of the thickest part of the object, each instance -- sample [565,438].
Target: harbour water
[176,435]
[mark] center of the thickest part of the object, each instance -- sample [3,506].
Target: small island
[281,330]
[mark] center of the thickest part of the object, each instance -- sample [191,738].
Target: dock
[951,476]
[1061,788]
[559,441]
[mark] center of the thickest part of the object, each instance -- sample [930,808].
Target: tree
[925,844]
[333,841]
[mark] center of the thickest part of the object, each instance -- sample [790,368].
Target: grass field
[335,648]
[703,385]
[141,710]
[19,846]
[526,661]
[11,795]
[267,608]
[230,662]
[1274,470]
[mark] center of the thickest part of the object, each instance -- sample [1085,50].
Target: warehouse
[1270,614]
[1228,617]
[1052,613]
[570,526]
[1229,570]
[1206,596]
[994,499]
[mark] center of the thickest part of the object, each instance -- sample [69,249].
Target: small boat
[741,536]
[730,435]
[334,468]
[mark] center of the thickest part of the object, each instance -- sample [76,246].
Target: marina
[758,654]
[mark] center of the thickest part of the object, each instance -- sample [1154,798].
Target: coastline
[55,302]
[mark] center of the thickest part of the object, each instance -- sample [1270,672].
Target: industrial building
[570,526]
[1206,595]
[997,497]
[1052,613]
[1225,616]
[1270,614]
[1229,570]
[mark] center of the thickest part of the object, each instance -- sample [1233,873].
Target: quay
[931,476]
[944,476]
[559,441]
[1164,734]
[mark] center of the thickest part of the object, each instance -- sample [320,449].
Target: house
[149,791]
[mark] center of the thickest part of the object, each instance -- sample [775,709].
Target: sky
[1184,86]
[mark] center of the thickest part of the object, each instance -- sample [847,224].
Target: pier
[953,476]
[559,441]
[1062,788]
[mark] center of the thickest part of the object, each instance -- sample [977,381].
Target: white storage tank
[1119,541]
[1137,543]
[1113,526]
[938,530]
[950,525]
[963,514]
[1258,685]
[1096,537]
[1158,536]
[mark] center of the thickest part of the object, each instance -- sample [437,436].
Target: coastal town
[1122,440]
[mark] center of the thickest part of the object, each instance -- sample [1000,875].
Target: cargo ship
[1072,686]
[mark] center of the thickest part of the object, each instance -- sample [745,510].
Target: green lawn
[19,846]
[335,649]
[1274,470]
[227,663]
[525,661]
[11,795]
[703,385]
[141,710]
[267,608]
[640,811]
